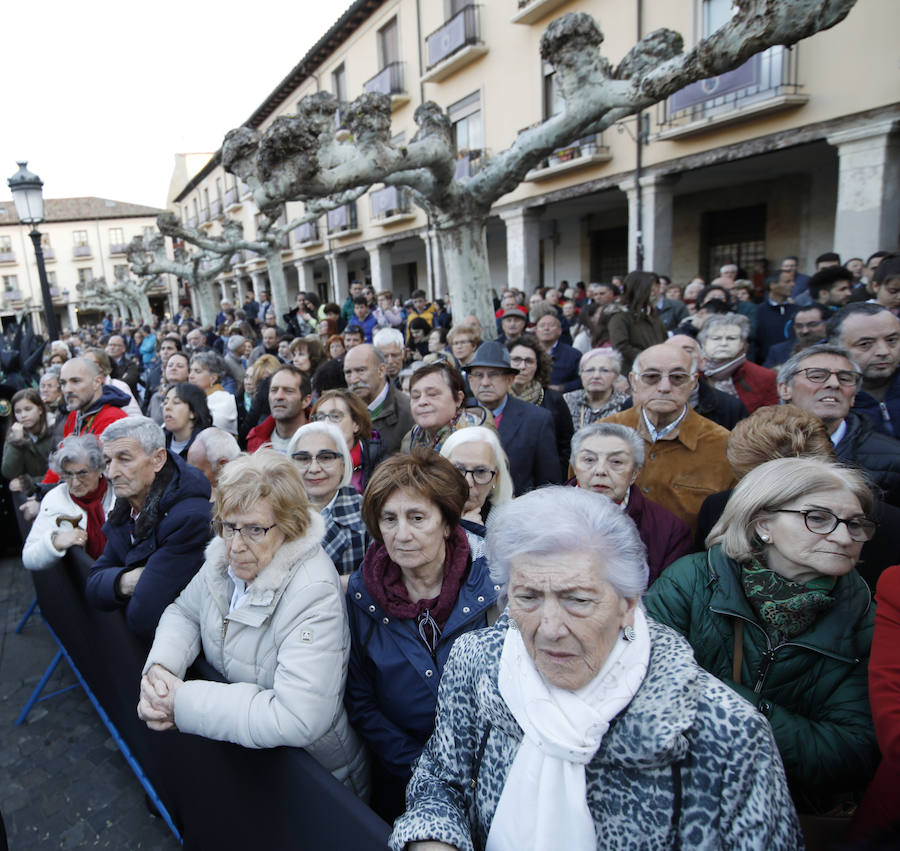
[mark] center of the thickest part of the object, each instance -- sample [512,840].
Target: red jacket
[881,805]
[260,434]
[755,386]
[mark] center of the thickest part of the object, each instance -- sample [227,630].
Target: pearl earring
[764,538]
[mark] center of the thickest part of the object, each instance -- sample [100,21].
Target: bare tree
[309,157]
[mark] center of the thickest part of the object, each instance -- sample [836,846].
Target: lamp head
[26,189]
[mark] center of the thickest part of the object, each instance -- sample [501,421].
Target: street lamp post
[29,201]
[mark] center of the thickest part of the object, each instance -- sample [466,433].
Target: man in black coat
[824,380]
[526,430]
[123,367]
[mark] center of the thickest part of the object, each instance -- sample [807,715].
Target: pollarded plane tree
[308,157]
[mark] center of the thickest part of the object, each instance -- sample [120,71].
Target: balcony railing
[215,208]
[49,253]
[530,11]
[460,31]
[388,81]
[468,164]
[81,251]
[12,295]
[118,247]
[7,256]
[204,215]
[307,234]
[231,197]
[389,202]
[766,81]
[342,219]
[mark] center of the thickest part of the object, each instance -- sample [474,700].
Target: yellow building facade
[793,153]
[83,239]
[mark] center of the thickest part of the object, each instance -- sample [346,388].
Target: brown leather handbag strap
[738,649]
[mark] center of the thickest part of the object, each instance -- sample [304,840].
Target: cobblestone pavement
[63,782]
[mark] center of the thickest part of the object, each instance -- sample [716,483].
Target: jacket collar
[266,589]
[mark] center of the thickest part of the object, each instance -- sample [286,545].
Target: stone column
[73,314]
[259,284]
[523,254]
[867,214]
[434,263]
[656,229]
[380,264]
[337,269]
[306,280]
[240,289]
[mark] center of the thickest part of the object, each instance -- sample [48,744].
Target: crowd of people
[599,576]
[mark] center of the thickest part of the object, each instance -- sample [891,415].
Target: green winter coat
[813,690]
[27,457]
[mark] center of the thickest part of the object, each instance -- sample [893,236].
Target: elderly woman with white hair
[607,459]
[320,452]
[626,718]
[206,372]
[477,454]
[599,397]
[725,340]
[776,610]
[73,513]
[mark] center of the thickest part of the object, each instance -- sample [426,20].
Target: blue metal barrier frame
[117,737]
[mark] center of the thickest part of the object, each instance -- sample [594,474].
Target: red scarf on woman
[92,504]
[356,478]
[384,581]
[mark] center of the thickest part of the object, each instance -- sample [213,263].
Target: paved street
[63,783]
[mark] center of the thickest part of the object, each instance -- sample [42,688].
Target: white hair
[552,522]
[502,491]
[337,438]
[614,356]
[218,445]
[387,337]
[145,431]
[720,321]
[627,435]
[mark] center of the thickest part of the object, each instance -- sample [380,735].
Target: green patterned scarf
[531,392]
[785,608]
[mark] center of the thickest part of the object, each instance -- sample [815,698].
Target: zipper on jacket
[886,416]
[224,628]
[767,659]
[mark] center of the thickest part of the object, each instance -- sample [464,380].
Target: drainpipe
[638,160]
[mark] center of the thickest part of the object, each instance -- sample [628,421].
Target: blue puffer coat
[392,681]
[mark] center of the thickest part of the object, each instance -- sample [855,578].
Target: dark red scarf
[384,581]
[92,504]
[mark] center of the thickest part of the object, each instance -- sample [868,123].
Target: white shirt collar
[379,399]
[838,434]
[241,591]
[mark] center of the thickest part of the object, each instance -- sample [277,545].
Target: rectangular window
[553,102]
[85,275]
[339,83]
[10,283]
[219,192]
[465,116]
[714,14]
[149,230]
[51,277]
[389,43]
[79,238]
[116,236]
[733,236]
[5,244]
[45,241]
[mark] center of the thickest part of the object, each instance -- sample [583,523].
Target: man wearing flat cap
[526,431]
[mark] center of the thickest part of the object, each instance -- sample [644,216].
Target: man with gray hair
[685,451]
[824,380]
[389,342]
[234,361]
[158,529]
[211,450]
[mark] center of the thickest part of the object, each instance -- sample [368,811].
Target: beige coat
[284,653]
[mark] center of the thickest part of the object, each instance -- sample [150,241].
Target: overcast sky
[106,93]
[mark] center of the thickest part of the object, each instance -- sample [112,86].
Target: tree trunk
[206,302]
[277,283]
[144,307]
[464,250]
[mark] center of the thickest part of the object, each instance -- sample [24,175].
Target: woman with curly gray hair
[206,372]
[557,725]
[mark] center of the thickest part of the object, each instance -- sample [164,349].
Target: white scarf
[543,805]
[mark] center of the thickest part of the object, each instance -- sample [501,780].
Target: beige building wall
[817,135]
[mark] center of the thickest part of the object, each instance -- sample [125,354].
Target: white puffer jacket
[284,653]
[38,553]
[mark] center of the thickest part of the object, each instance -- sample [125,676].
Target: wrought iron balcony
[231,197]
[118,247]
[11,296]
[342,220]
[460,32]
[215,208]
[204,215]
[8,256]
[388,203]
[307,234]
[81,251]
[766,82]
[388,81]
[583,153]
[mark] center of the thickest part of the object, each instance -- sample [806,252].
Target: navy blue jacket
[529,439]
[774,324]
[170,535]
[884,415]
[874,453]
[565,367]
[392,679]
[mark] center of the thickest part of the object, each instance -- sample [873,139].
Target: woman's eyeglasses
[480,475]
[248,533]
[325,459]
[76,475]
[335,417]
[823,522]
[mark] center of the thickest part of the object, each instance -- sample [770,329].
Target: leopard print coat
[689,764]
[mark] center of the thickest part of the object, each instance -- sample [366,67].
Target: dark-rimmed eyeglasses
[676,379]
[824,522]
[324,459]
[819,375]
[253,534]
[335,417]
[480,475]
